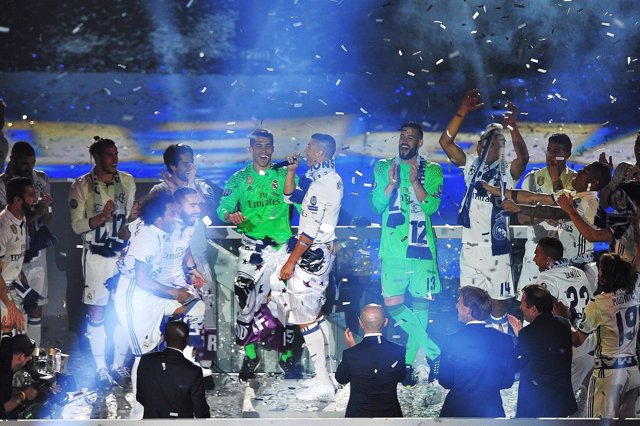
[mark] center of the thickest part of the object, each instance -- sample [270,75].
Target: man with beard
[21,163]
[22,199]
[181,173]
[407,192]
[101,202]
[253,200]
[142,301]
[485,257]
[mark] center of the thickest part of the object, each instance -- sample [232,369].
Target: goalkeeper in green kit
[407,192]
[253,200]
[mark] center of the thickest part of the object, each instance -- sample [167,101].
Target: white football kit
[478,267]
[140,311]
[35,270]
[303,295]
[614,319]
[87,199]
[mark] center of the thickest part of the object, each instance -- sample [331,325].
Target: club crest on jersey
[249,180]
[540,180]
[274,184]
[73,203]
[498,231]
[148,259]
[226,192]
[14,229]
[313,201]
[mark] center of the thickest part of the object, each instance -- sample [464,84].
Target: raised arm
[591,233]
[518,165]
[470,102]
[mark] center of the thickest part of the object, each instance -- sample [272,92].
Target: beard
[28,210]
[410,154]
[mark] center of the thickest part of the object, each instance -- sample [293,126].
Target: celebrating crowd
[147,256]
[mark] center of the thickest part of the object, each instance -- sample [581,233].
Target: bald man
[169,385]
[373,367]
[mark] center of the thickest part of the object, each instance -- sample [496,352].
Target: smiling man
[253,200]
[407,192]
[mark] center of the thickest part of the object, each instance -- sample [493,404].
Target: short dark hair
[173,152]
[617,274]
[16,187]
[327,142]
[563,140]
[99,144]
[538,296]
[181,193]
[476,299]
[154,206]
[552,247]
[601,173]
[176,333]
[20,344]
[260,133]
[413,125]
[22,149]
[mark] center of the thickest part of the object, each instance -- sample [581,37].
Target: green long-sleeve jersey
[260,199]
[394,241]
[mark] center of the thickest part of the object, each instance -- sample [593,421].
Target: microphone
[282,164]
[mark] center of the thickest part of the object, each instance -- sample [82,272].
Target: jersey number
[626,327]
[102,235]
[574,295]
[418,232]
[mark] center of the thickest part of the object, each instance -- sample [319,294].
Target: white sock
[34,330]
[137,411]
[314,340]
[97,341]
[120,346]
[328,337]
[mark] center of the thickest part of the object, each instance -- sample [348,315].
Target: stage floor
[268,396]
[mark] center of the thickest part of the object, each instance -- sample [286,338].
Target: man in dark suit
[476,362]
[169,385]
[374,367]
[543,358]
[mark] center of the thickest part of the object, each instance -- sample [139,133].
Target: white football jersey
[175,248]
[13,243]
[145,245]
[576,247]
[480,208]
[320,208]
[570,286]
[614,319]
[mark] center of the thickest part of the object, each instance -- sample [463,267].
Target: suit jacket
[374,367]
[544,360]
[476,362]
[170,386]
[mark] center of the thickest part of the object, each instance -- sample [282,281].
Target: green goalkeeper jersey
[260,199]
[407,228]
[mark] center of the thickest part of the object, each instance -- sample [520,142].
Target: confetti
[394,364]
[204,89]
[297,105]
[297,24]
[339,113]
[124,67]
[77,28]
[521,26]
[231,123]
[364,111]
[439,61]
[343,48]
[322,102]
[135,89]
[189,3]
[234,83]
[542,70]
[400,52]
[475,15]
[4,29]
[410,74]
[338,81]
[359,173]
[107,91]
[610,34]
